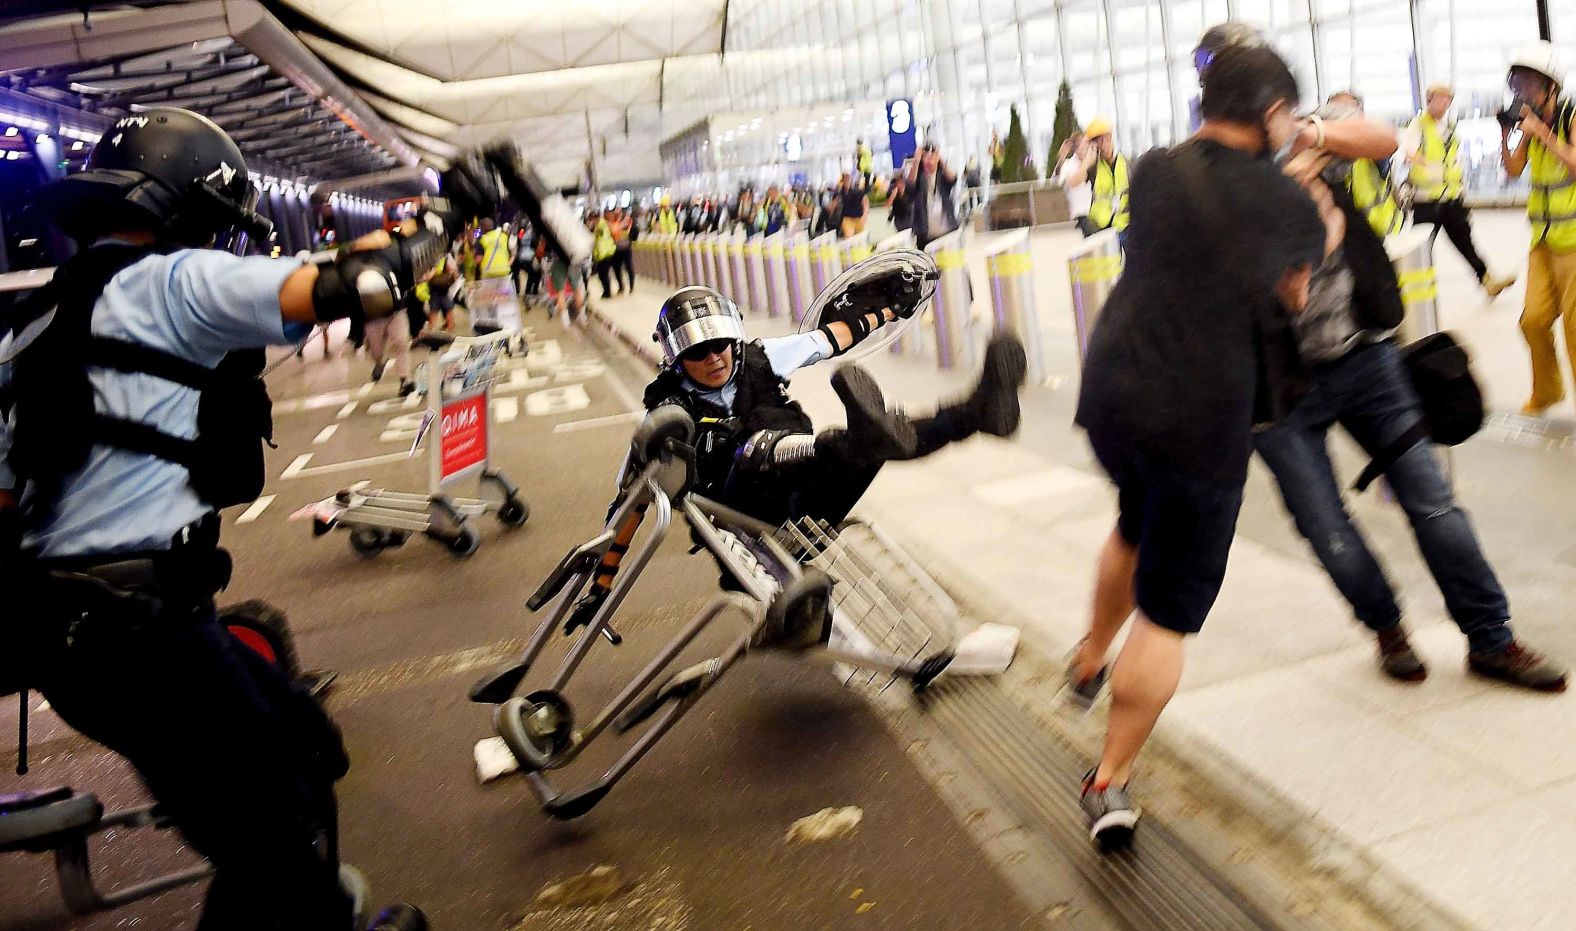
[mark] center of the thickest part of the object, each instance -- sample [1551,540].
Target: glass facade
[964,63]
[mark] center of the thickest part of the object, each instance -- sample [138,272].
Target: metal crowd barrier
[912,342]
[718,267]
[954,347]
[724,262]
[755,273]
[1093,268]
[1011,268]
[687,270]
[801,290]
[740,273]
[775,259]
[825,264]
[855,249]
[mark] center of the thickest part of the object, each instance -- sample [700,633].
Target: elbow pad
[358,285]
[372,284]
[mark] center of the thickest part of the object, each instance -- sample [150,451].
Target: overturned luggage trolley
[456,380]
[785,584]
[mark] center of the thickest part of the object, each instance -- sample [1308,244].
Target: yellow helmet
[665,202]
[1099,126]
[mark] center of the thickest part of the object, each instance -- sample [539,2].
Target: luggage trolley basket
[456,381]
[780,596]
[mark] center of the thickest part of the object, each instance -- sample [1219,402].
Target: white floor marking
[574,426]
[296,465]
[552,401]
[505,410]
[364,390]
[347,466]
[311,402]
[324,434]
[408,402]
[255,510]
[346,411]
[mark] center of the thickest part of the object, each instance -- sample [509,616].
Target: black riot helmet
[693,316]
[1222,36]
[170,170]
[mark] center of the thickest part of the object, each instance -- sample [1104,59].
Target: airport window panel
[1382,48]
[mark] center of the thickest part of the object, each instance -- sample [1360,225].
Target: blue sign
[900,129]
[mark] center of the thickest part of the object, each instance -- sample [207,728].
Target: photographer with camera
[1542,120]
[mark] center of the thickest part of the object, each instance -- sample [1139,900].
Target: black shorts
[1182,527]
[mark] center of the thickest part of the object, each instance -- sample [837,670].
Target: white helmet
[1540,57]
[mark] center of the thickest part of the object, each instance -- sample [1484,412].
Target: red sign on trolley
[463,435]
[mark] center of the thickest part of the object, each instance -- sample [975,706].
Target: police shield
[901,279]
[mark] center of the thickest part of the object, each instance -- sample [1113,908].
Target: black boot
[993,407]
[874,433]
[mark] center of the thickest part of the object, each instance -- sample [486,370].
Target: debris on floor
[826,824]
[655,903]
[594,887]
[493,759]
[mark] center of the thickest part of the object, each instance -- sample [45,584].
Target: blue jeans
[1369,394]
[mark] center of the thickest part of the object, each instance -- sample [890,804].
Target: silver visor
[696,331]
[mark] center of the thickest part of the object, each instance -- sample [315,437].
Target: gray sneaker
[1111,814]
[1518,665]
[1082,694]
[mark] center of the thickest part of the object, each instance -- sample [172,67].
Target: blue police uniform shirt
[197,304]
[787,354]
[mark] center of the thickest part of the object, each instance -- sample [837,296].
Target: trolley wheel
[536,728]
[465,541]
[321,526]
[368,541]
[514,511]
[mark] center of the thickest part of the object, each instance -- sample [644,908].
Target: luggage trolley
[781,596]
[456,382]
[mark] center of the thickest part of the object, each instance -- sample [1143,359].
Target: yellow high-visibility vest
[667,221]
[1373,195]
[495,255]
[1109,210]
[1436,173]
[1551,204]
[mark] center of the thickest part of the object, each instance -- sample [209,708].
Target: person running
[1192,349]
[1434,154]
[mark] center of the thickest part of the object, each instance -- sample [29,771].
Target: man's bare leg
[1113,604]
[1142,682]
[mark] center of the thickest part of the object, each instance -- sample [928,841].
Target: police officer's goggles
[700,352]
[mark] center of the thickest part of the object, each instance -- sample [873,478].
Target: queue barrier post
[954,346]
[1010,265]
[775,260]
[1093,267]
[800,287]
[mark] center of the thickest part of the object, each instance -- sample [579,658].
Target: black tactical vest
[49,400]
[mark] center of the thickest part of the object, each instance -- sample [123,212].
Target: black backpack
[49,397]
[1452,403]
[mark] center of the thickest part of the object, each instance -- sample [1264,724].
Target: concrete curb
[644,349]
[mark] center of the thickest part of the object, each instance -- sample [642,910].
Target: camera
[1510,117]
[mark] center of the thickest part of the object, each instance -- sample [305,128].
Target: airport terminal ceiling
[607,82]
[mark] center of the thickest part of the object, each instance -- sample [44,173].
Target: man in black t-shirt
[1193,348]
